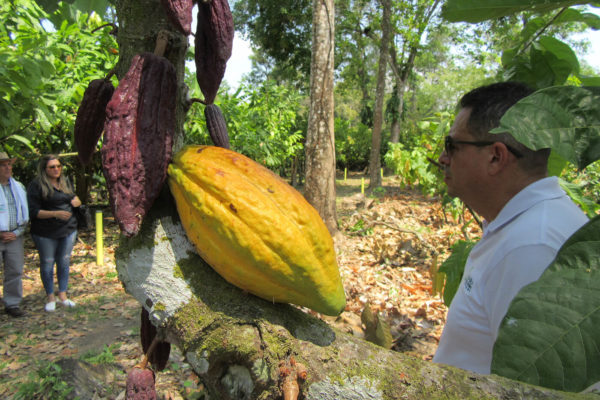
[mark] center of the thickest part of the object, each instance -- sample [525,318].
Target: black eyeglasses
[450,145]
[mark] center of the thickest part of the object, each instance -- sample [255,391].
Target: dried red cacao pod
[140,384]
[91,115]
[138,138]
[179,13]
[160,353]
[216,125]
[214,42]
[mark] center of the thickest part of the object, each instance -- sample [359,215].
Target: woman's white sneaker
[67,303]
[50,306]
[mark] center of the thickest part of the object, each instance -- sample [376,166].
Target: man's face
[464,167]
[5,170]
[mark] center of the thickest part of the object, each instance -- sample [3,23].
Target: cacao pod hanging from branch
[213,45]
[179,13]
[91,115]
[138,140]
[216,125]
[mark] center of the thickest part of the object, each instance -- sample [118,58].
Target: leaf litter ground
[386,249]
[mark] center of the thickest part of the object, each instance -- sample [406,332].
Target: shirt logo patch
[468,284]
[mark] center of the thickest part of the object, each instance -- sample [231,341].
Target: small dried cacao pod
[91,115]
[214,42]
[216,125]
[160,354]
[138,138]
[179,13]
[140,384]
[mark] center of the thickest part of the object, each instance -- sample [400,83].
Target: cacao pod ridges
[216,125]
[255,230]
[179,12]
[138,138]
[91,115]
[213,45]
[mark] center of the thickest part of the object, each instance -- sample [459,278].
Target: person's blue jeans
[55,251]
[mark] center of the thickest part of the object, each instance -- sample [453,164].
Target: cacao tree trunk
[239,345]
[375,158]
[320,140]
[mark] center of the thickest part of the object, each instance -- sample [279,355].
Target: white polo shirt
[514,251]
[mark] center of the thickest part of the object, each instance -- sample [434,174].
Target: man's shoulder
[549,222]
[19,184]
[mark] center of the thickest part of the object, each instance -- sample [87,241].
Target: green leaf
[21,139]
[453,267]
[481,10]
[572,15]
[563,118]
[575,192]
[563,53]
[556,164]
[589,80]
[550,336]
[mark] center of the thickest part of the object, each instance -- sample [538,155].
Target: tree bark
[236,342]
[375,158]
[320,139]
[401,82]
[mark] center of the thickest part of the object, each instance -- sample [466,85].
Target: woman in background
[53,226]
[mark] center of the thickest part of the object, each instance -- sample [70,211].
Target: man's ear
[499,158]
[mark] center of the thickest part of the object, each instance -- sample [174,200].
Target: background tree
[320,146]
[386,34]
[412,20]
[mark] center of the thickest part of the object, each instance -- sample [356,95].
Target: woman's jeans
[55,251]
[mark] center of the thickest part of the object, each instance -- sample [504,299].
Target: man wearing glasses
[527,218]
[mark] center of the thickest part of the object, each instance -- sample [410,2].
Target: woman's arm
[45,214]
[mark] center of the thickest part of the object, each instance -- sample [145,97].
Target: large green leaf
[571,15]
[481,10]
[556,164]
[565,56]
[564,118]
[454,267]
[550,335]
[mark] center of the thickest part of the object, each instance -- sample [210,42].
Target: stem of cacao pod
[146,358]
[162,41]
[110,74]
[196,100]
[114,28]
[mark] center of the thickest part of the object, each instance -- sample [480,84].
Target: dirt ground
[387,248]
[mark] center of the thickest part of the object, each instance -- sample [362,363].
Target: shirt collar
[543,189]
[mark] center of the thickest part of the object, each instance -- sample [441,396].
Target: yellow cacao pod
[255,230]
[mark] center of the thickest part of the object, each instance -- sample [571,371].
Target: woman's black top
[52,228]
